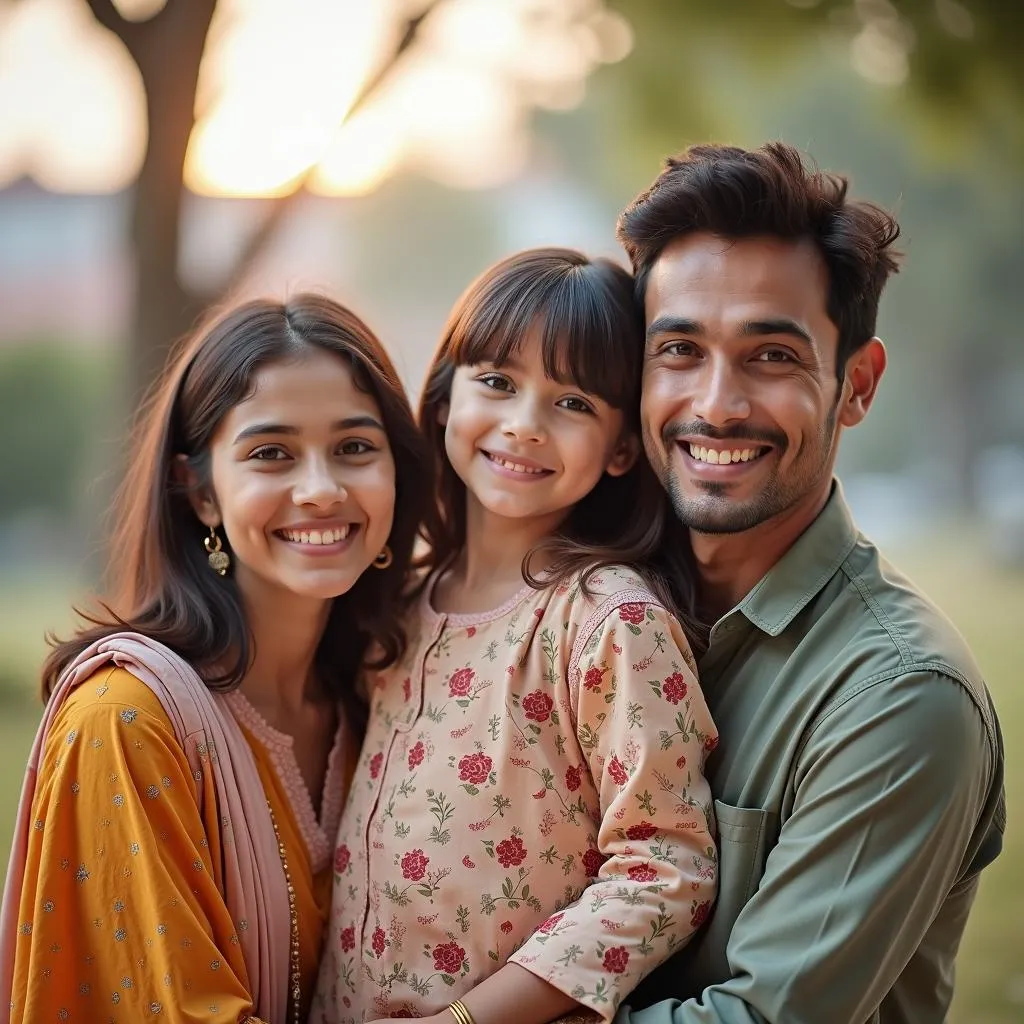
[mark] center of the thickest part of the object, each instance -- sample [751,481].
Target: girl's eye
[495,381]
[575,404]
[268,453]
[355,447]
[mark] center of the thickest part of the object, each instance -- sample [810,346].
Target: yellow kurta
[122,916]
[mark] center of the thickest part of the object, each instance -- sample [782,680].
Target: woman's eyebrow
[348,423]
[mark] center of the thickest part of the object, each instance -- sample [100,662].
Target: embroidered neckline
[473,618]
[318,835]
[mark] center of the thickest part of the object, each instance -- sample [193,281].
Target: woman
[172,854]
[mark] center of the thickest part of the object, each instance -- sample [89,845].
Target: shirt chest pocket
[745,835]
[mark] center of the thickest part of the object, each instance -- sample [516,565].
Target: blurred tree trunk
[168,50]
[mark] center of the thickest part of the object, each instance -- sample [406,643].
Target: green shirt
[859,784]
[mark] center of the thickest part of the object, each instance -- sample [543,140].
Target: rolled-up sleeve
[889,789]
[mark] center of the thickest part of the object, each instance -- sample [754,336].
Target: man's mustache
[696,428]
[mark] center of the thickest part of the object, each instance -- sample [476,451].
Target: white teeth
[316,536]
[714,457]
[516,467]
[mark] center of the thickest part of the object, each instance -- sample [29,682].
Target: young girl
[529,832]
[173,850]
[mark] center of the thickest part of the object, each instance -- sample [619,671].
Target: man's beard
[712,512]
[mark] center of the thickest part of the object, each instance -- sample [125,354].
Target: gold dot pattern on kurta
[122,916]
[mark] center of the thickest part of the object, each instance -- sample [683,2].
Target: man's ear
[624,456]
[200,498]
[864,370]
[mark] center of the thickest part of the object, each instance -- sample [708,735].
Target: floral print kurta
[122,913]
[531,789]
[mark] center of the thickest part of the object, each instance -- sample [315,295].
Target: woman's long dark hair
[592,334]
[160,583]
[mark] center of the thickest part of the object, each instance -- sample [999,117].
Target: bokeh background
[158,157]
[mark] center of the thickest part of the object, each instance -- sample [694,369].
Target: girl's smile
[529,446]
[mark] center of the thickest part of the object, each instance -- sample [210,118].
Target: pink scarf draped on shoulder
[254,884]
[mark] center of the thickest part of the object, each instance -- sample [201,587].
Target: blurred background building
[159,157]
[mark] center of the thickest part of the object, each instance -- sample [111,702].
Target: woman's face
[303,480]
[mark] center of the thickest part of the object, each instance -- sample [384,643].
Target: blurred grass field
[985,602]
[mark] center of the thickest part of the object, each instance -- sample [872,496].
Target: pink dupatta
[254,884]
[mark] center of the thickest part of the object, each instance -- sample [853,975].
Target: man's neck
[729,565]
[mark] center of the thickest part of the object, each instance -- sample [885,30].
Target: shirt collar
[785,590]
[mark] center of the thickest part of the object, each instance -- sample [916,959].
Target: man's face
[740,388]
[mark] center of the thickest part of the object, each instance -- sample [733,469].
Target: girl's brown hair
[591,333]
[160,583]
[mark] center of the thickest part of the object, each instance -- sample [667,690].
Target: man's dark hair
[737,193]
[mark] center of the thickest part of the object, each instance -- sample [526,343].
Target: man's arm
[889,789]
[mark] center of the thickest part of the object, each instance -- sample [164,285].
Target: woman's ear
[624,456]
[442,414]
[200,498]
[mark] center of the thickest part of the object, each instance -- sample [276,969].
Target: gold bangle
[460,1013]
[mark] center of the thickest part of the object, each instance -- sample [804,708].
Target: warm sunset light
[72,112]
[277,82]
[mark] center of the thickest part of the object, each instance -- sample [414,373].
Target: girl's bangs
[586,342]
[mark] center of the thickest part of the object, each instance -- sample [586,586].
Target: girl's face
[303,480]
[528,446]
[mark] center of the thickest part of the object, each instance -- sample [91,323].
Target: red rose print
[448,957]
[406,688]
[699,913]
[615,959]
[572,778]
[471,631]
[592,861]
[416,755]
[467,863]
[710,743]
[461,682]
[642,873]
[681,761]
[377,942]
[592,680]
[348,939]
[617,772]
[550,923]
[632,613]
[414,865]
[506,926]
[641,832]
[375,763]
[674,688]
[341,859]
[537,706]
[510,852]
[474,768]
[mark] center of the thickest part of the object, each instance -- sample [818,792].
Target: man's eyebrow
[775,325]
[349,423]
[674,325]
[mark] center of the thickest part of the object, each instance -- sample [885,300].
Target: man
[859,775]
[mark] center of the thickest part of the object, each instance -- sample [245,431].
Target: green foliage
[965,79]
[55,401]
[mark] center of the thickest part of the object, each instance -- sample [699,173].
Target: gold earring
[384,559]
[219,560]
